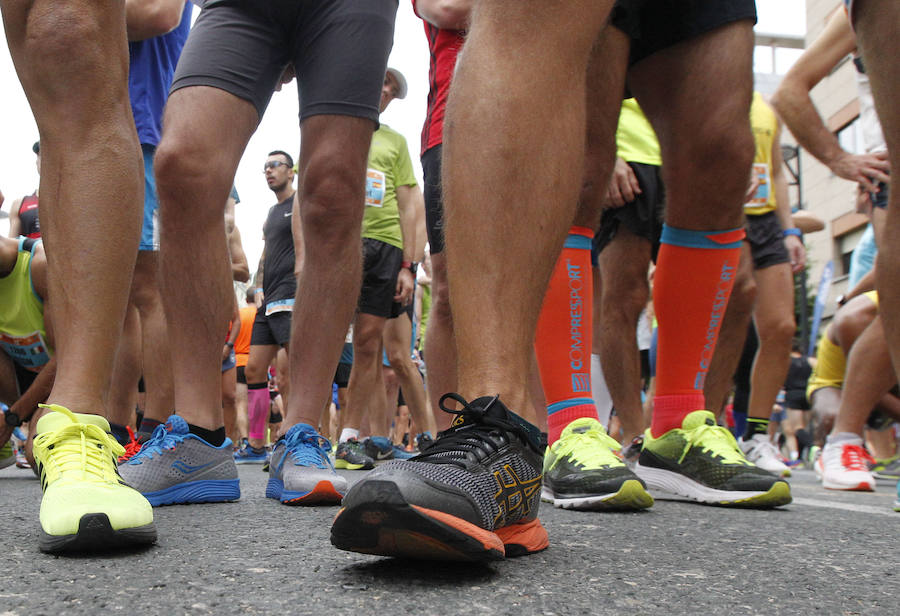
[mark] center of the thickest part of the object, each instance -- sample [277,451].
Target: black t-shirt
[278,267]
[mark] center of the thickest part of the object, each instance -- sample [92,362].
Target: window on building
[851,138]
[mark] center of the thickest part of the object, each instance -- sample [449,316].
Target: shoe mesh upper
[706,453]
[173,456]
[504,491]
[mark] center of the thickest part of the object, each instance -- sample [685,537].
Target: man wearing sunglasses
[274,298]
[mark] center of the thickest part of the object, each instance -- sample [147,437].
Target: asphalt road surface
[826,553]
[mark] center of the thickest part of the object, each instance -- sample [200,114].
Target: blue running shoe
[897,502]
[379,448]
[251,455]
[400,453]
[176,467]
[300,470]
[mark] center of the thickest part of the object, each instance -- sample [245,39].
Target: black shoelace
[473,440]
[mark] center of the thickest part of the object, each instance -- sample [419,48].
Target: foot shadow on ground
[108,554]
[387,572]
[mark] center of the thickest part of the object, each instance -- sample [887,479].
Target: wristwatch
[13,420]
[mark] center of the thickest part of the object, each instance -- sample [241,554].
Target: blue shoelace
[307,448]
[160,440]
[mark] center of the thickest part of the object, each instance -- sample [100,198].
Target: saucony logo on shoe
[187,469]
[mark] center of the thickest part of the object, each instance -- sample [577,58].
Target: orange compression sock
[694,276]
[563,337]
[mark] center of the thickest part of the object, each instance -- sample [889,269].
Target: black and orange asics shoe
[472,495]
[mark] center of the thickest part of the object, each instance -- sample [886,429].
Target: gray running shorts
[339,49]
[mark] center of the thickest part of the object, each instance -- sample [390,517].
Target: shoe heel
[274,489]
[522,539]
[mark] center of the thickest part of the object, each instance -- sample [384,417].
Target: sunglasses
[274,164]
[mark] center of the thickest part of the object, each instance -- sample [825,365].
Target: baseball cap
[402,88]
[36,148]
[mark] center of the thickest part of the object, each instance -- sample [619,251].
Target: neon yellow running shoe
[582,471]
[702,462]
[7,455]
[86,506]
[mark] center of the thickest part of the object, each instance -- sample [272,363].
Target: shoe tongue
[489,405]
[177,425]
[581,425]
[296,430]
[697,419]
[492,407]
[57,420]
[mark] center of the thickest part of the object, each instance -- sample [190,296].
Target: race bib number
[282,305]
[761,197]
[29,351]
[374,188]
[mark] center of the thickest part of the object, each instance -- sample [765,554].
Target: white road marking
[814,502]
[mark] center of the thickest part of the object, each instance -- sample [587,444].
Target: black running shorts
[381,266]
[272,329]
[653,25]
[643,217]
[766,238]
[339,50]
[434,198]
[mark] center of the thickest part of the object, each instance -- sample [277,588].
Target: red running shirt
[444,46]
[28,217]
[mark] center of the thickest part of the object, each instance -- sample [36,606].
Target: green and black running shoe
[351,455]
[582,471]
[702,462]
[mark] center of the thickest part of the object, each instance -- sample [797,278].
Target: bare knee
[623,299]
[332,198]
[72,43]
[228,398]
[743,293]
[778,333]
[145,293]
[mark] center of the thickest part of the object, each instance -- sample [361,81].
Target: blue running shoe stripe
[206,491]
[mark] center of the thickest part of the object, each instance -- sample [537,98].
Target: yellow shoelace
[79,448]
[592,448]
[717,440]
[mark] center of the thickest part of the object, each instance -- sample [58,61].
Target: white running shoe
[845,466]
[763,453]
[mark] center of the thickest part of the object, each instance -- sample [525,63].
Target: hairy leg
[488,207]
[72,60]
[774,318]
[332,194]
[397,336]
[440,344]
[195,165]
[623,269]
[876,28]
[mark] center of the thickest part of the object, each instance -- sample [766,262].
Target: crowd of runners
[492,332]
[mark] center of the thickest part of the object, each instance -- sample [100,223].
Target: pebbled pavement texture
[827,553]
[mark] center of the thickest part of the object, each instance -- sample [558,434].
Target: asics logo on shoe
[514,496]
[187,469]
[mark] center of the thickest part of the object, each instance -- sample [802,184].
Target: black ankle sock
[120,433]
[148,425]
[213,437]
[756,425]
